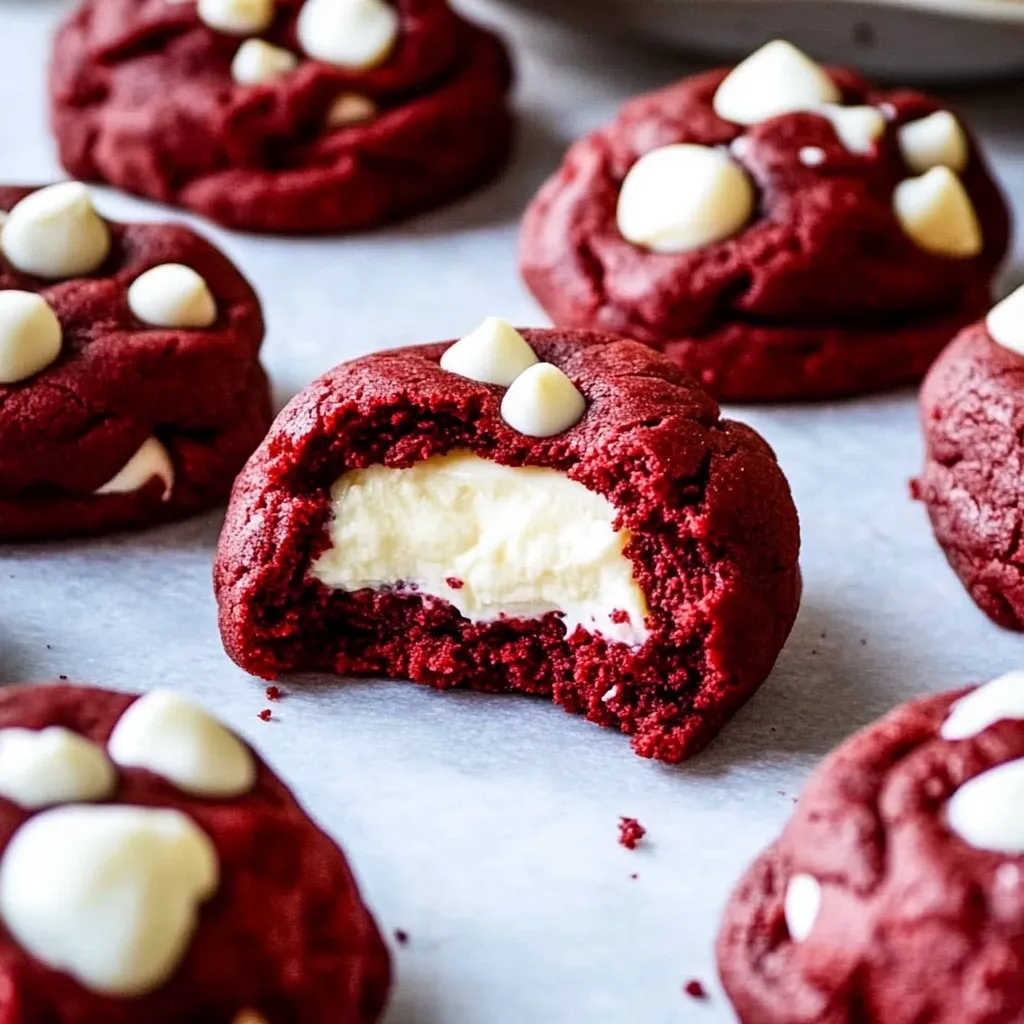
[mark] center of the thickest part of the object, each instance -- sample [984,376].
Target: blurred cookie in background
[295,116]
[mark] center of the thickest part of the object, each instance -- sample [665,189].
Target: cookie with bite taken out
[153,870]
[896,891]
[781,230]
[557,513]
[130,386]
[297,116]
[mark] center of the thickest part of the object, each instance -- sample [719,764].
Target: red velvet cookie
[779,231]
[585,528]
[282,115]
[972,413]
[896,892]
[130,387]
[155,871]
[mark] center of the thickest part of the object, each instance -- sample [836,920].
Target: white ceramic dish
[914,40]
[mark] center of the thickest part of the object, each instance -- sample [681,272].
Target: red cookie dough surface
[972,413]
[820,295]
[286,933]
[69,429]
[143,98]
[714,542]
[914,924]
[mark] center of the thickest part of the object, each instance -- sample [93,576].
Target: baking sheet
[486,827]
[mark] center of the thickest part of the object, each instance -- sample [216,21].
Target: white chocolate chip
[350,108]
[987,812]
[610,695]
[237,17]
[149,461]
[56,233]
[682,197]
[493,353]
[1000,699]
[109,894]
[777,79]
[356,34]
[542,402]
[934,141]
[802,906]
[53,766]
[1005,322]
[172,295]
[812,156]
[936,212]
[258,61]
[858,128]
[30,335]
[180,741]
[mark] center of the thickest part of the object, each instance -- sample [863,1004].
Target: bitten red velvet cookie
[130,386]
[548,512]
[896,892]
[298,116]
[972,413]
[780,230]
[153,871]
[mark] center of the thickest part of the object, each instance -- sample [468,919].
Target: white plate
[917,40]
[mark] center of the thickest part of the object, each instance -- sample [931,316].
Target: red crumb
[273,693]
[915,490]
[630,832]
[266,714]
[401,937]
[455,583]
[695,990]
[620,616]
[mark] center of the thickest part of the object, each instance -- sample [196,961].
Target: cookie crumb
[633,877]
[265,715]
[630,832]
[620,616]
[695,990]
[455,583]
[401,937]
[273,693]
[63,679]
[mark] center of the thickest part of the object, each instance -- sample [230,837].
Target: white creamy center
[492,540]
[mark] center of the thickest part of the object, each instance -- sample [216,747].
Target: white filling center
[493,541]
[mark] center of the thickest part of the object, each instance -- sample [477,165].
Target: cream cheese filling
[494,541]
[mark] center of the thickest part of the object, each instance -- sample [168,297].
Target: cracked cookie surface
[118,384]
[144,97]
[821,293]
[896,891]
[713,540]
[972,414]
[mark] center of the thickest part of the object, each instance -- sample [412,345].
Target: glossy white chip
[858,128]
[56,233]
[812,156]
[777,79]
[108,894]
[1000,699]
[937,214]
[987,812]
[30,335]
[258,61]
[350,108]
[356,34]
[1005,322]
[237,17]
[172,295]
[937,140]
[542,402]
[802,906]
[39,768]
[493,353]
[151,460]
[682,197]
[180,741]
